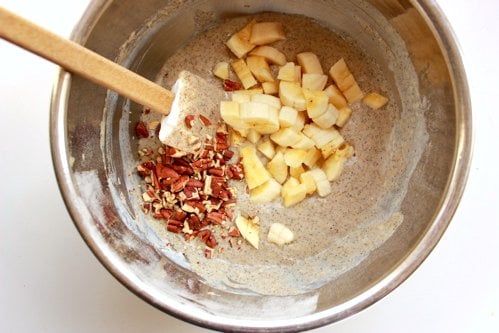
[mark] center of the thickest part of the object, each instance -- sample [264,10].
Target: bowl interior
[405,166]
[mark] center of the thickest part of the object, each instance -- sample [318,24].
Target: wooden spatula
[193,96]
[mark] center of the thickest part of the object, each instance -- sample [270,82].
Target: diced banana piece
[254,171]
[259,68]
[270,100]
[243,73]
[249,229]
[279,234]
[309,182]
[375,100]
[285,137]
[259,116]
[335,96]
[328,118]
[271,88]
[321,182]
[314,81]
[354,93]
[296,171]
[278,168]
[291,94]
[317,102]
[242,96]
[300,121]
[266,33]
[332,146]
[271,54]
[287,116]
[294,194]
[287,72]
[345,81]
[253,136]
[229,111]
[236,138]
[266,147]
[266,192]
[290,183]
[343,117]
[239,43]
[304,143]
[320,136]
[294,157]
[221,70]
[310,62]
[312,156]
[333,167]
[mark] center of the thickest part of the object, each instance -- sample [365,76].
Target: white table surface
[51,282]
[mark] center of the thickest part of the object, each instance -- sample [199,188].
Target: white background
[51,282]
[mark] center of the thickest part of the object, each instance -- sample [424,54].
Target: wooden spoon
[79,60]
[193,95]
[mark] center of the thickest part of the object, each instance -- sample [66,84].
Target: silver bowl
[94,152]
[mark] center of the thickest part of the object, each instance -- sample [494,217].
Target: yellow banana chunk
[345,81]
[279,234]
[266,147]
[266,33]
[278,167]
[288,116]
[229,111]
[221,70]
[343,117]
[249,229]
[270,53]
[243,73]
[270,100]
[266,192]
[314,81]
[374,100]
[320,136]
[335,96]
[309,182]
[239,43]
[294,194]
[254,171]
[333,167]
[294,157]
[317,102]
[287,72]
[328,118]
[309,62]
[259,68]
[260,117]
[291,94]
[285,137]
[322,184]
[312,156]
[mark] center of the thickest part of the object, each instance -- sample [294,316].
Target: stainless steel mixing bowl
[94,153]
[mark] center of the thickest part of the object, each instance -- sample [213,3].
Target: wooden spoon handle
[79,60]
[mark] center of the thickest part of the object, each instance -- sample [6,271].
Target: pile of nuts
[191,192]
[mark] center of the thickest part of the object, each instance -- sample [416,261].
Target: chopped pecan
[195,183]
[215,217]
[189,120]
[178,215]
[227,154]
[174,226]
[180,183]
[166,172]
[204,120]
[230,85]
[141,130]
[216,172]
